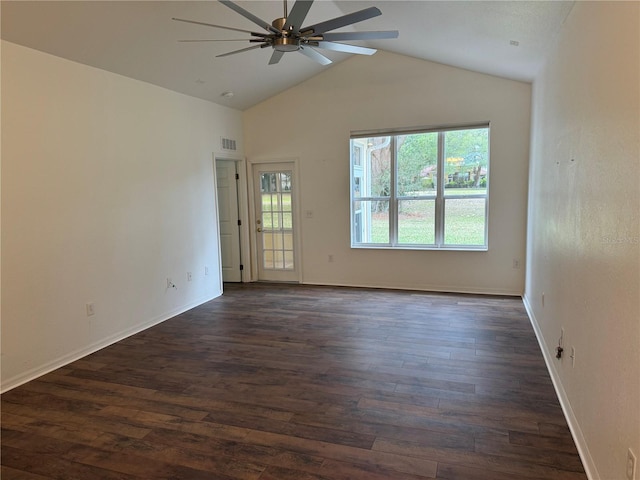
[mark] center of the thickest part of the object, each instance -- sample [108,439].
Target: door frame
[295,199]
[243,212]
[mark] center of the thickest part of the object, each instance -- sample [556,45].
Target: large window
[424,189]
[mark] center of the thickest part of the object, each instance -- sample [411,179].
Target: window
[420,189]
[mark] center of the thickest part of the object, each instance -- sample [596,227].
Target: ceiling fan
[286,34]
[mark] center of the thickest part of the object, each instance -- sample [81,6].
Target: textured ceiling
[139,39]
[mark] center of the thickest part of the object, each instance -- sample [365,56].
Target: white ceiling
[138,39]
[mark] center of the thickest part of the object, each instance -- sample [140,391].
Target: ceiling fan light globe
[285,44]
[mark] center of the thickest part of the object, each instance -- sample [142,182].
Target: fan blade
[275,58]
[262,45]
[313,55]
[337,36]
[220,26]
[221,40]
[341,47]
[351,18]
[297,15]
[249,16]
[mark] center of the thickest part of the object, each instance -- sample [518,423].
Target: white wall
[584,227]
[107,190]
[387,90]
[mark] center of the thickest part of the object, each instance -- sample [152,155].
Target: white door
[229,220]
[275,227]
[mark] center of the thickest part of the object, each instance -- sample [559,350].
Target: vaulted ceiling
[138,39]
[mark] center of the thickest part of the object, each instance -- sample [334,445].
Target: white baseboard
[70,357]
[572,421]
[422,288]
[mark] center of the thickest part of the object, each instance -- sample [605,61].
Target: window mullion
[393,201]
[439,237]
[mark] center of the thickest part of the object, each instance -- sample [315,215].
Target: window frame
[440,197]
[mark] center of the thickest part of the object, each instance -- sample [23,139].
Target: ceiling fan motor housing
[285,43]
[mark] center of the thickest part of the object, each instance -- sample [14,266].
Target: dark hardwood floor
[284,382]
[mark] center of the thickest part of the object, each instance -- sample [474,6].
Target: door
[275,227]
[228,218]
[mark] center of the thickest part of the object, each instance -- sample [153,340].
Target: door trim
[294,162]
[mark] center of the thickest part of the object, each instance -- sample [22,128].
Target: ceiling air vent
[228,144]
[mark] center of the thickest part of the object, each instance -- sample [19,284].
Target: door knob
[259,229]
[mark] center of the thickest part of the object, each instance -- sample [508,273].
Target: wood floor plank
[12,473]
[281,473]
[139,457]
[546,451]
[386,460]
[55,467]
[276,381]
[489,463]
[447,471]
[337,470]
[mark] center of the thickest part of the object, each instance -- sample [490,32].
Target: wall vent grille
[228,144]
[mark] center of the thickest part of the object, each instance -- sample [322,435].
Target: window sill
[449,248]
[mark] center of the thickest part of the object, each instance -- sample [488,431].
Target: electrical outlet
[90,309]
[516,263]
[631,465]
[206,270]
[189,277]
[330,259]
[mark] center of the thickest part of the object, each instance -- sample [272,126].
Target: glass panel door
[275,233]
